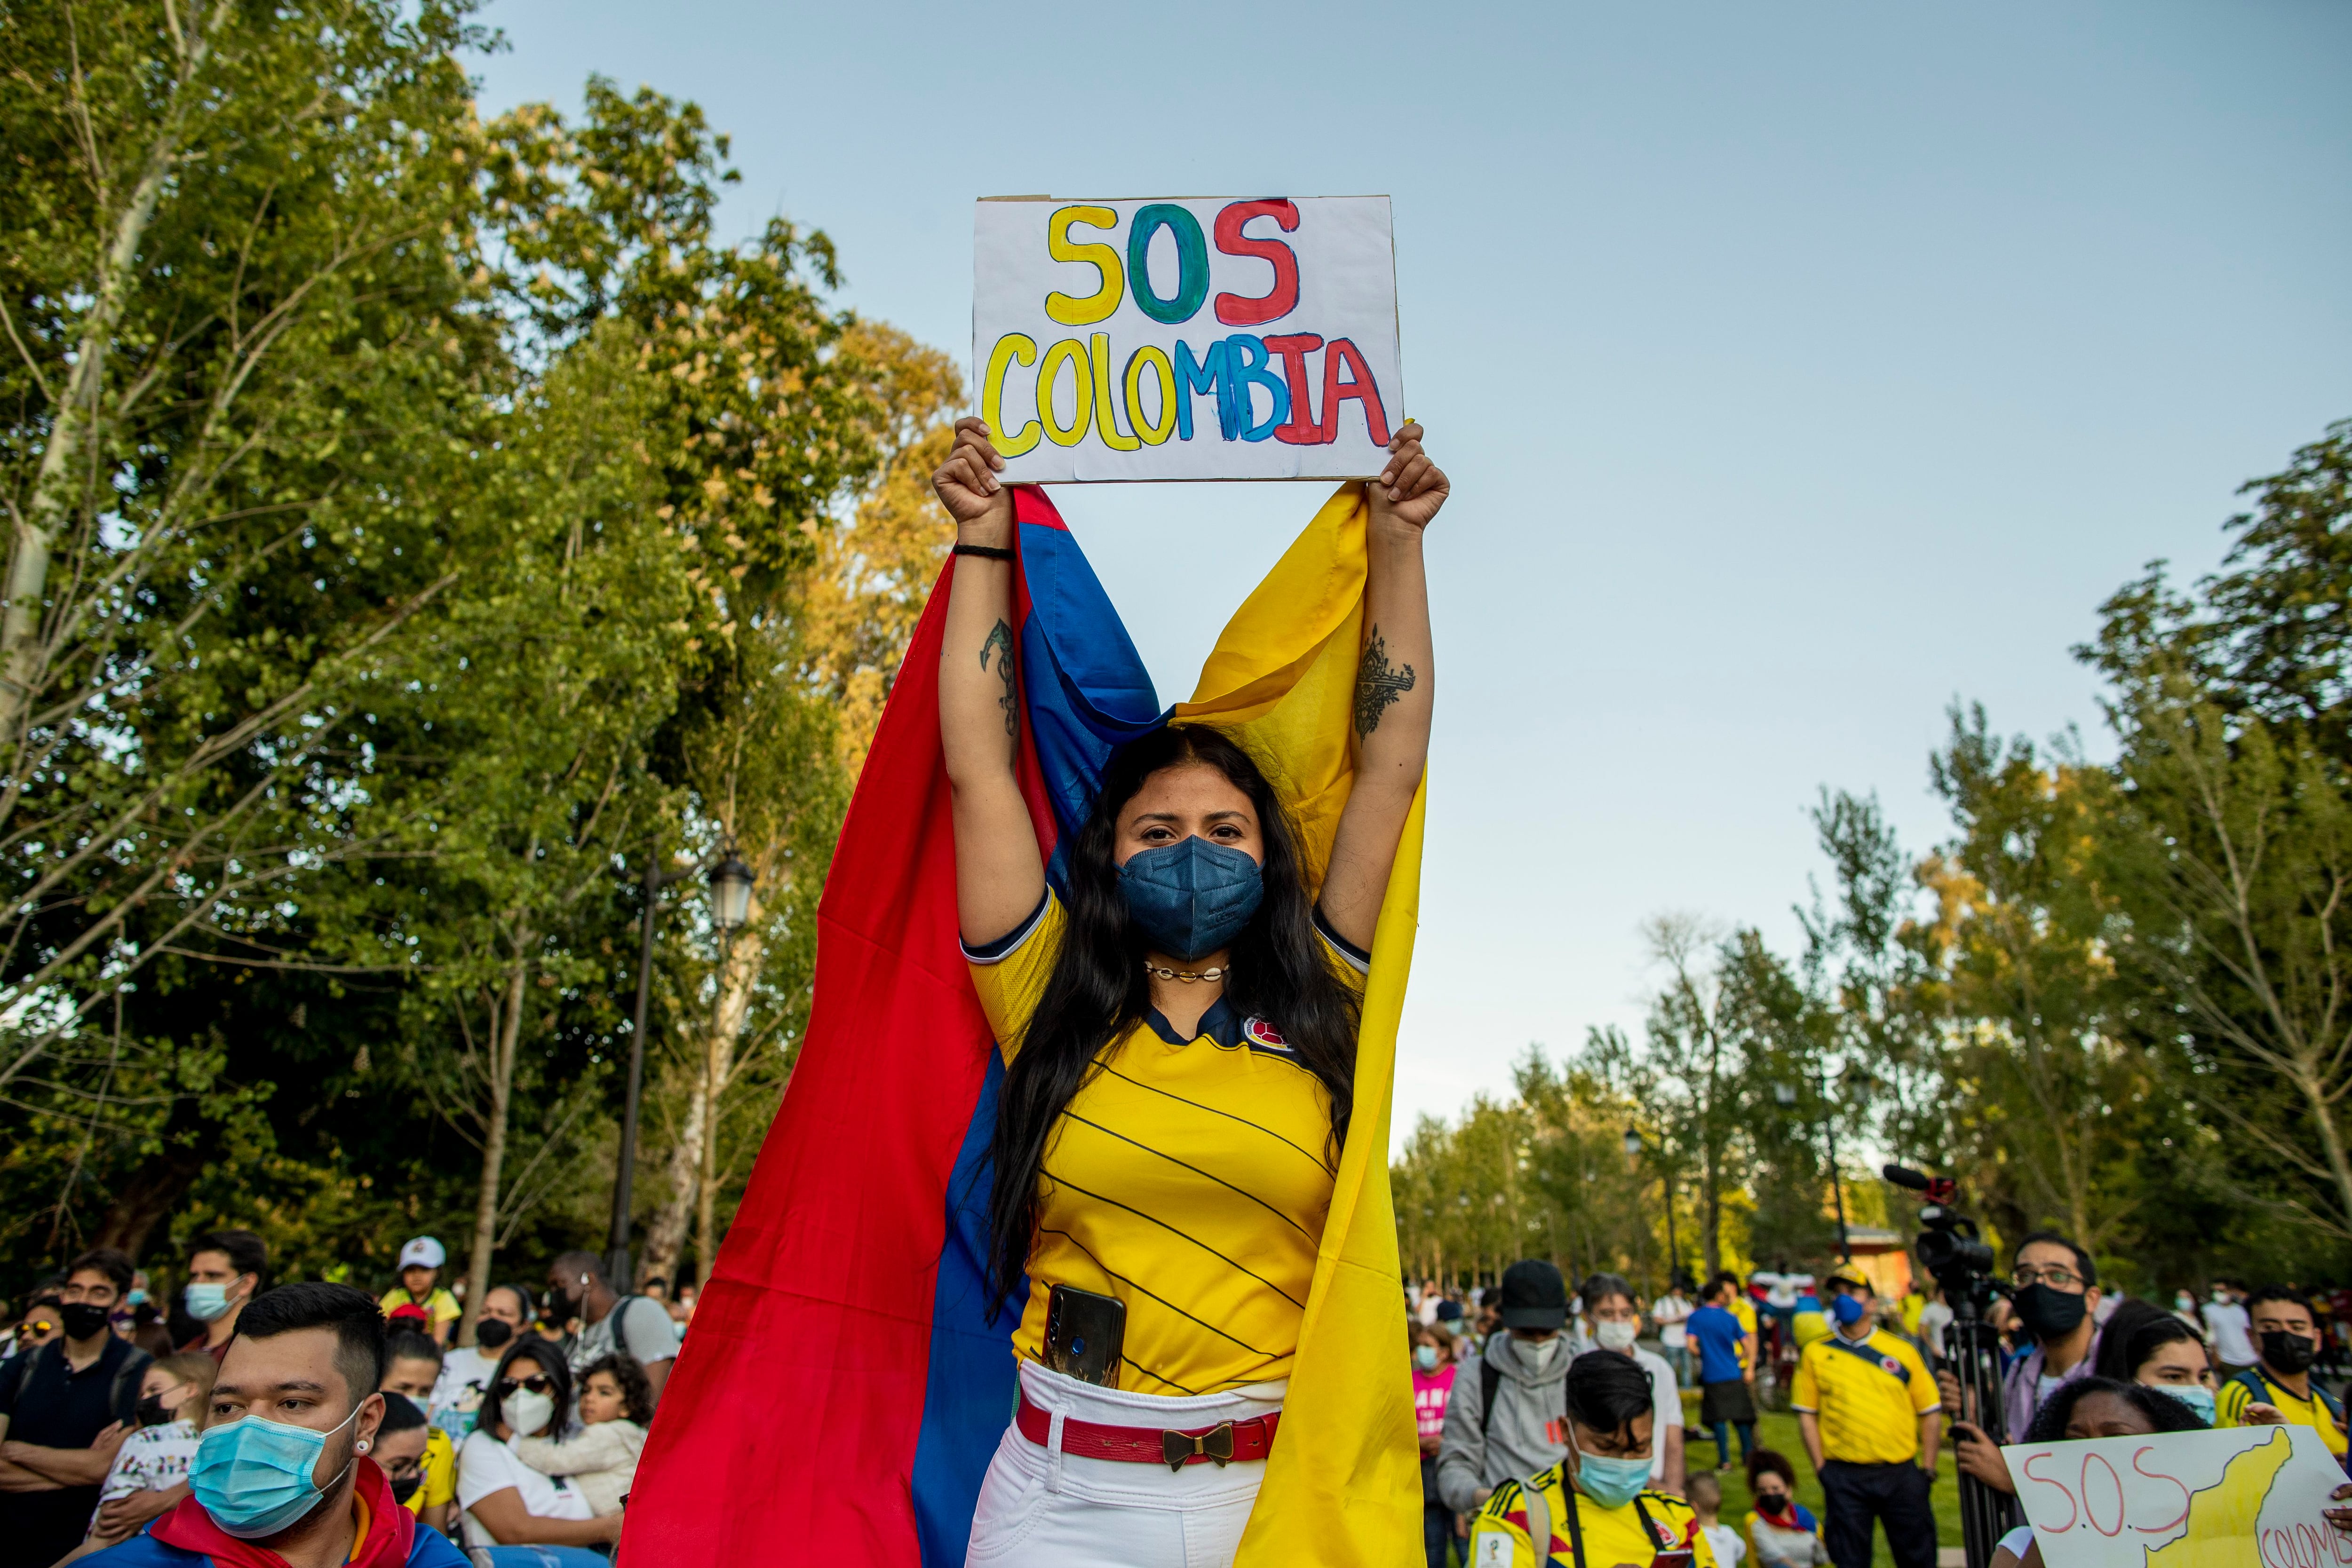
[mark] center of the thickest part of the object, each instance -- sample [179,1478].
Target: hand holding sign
[2241,1496]
[1186,340]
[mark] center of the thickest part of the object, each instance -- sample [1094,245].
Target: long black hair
[2162,1412]
[1281,972]
[548,1356]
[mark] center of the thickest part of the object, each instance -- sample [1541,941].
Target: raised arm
[1395,688]
[1000,876]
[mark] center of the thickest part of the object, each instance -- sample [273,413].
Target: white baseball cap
[423,1253]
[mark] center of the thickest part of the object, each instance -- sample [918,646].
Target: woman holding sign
[1179,1037]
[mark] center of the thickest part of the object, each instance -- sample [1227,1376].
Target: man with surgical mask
[1616,1325]
[224,1269]
[1505,1419]
[282,1473]
[1866,1411]
[2286,1344]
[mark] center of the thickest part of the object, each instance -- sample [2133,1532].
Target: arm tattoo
[1377,683]
[1000,636]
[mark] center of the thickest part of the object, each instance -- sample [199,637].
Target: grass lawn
[1777,1431]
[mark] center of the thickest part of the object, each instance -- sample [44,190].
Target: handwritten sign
[2242,1496]
[1186,339]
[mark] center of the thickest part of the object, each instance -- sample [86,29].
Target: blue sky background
[1800,370]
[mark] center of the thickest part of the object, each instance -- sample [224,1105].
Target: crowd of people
[139,1430]
[1542,1410]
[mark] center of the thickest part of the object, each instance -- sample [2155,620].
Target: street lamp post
[1634,1146]
[1837,1186]
[730,883]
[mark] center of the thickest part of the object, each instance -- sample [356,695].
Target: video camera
[1951,1248]
[1954,1253]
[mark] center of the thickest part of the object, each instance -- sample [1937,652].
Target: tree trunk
[505,1037]
[153,1191]
[736,982]
[665,1237]
[75,413]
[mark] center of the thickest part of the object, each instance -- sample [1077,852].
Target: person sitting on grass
[1783,1530]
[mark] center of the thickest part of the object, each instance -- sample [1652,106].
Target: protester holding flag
[1179,1038]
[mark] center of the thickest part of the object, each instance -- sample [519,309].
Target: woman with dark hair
[1597,1500]
[2093,1406]
[505,1502]
[2144,1344]
[1179,1031]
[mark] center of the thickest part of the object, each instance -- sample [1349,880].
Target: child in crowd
[1705,1494]
[1784,1531]
[412,1366]
[419,1298]
[172,1394]
[616,1406]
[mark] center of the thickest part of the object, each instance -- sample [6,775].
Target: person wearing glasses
[2053,1288]
[505,1502]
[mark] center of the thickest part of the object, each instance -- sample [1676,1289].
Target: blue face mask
[1611,1483]
[2196,1395]
[205,1302]
[1847,1309]
[1190,898]
[1424,1356]
[255,1477]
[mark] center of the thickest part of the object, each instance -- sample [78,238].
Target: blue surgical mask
[1190,898]
[1424,1356]
[255,1477]
[2196,1395]
[1611,1483]
[205,1302]
[1847,1309]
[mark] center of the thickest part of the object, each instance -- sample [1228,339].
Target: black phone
[1084,1335]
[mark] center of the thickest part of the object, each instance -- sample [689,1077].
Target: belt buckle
[1180,1448]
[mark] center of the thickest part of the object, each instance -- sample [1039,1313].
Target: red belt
[1175,1448]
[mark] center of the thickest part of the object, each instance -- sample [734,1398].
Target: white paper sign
[1187,338]
[2242,1497]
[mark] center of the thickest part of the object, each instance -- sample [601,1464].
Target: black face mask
[492,1332]
[82,1319]
[405,1487]
[2282,1351]
[151,1412]
[2047,1314]
[1771,1501]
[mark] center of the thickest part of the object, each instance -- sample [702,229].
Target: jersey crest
[1257,1031]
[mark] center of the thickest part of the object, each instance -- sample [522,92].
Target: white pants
[1041,1508]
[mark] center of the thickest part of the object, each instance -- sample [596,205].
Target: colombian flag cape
[841,1391]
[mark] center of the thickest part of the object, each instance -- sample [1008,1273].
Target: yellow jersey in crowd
[1868,1396]
[1653,1522]
[2234,1397]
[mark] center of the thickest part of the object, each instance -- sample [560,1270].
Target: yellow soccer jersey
[1189,1178]
[2235,1396]
[440,1306]
[1637,1533]
[1868,1396]
[440,1468]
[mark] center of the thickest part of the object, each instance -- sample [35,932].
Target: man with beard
[634,1326]
[65,1408]
[2054,1291]
[2286,1343]
[282,1474]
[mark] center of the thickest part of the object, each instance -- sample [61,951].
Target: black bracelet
[989,552]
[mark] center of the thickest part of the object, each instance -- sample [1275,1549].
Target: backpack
[133,1368]
[2252,1380]
[1490,1378]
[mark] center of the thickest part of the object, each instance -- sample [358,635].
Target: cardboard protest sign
[1186,340]
[2242,1496]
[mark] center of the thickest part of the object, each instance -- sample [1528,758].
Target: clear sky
[1798,370]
